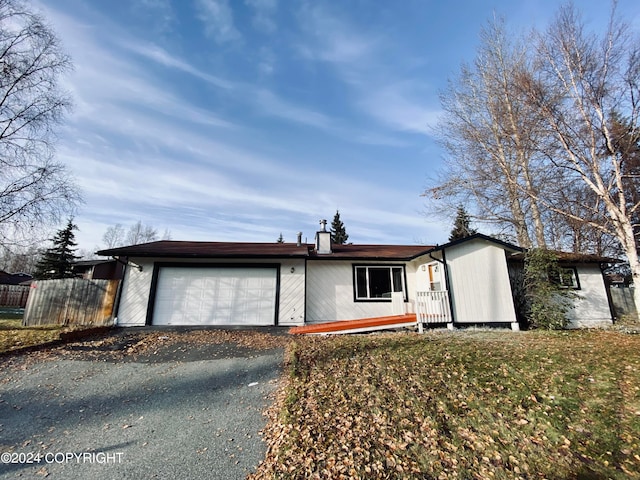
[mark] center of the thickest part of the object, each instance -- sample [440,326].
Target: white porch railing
[432,307]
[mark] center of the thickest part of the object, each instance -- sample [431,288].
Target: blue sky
[235,120]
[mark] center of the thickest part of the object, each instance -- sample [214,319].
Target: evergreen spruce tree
[461,225]
[339,235]
[56,261]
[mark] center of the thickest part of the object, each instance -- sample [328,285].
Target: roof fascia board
[478,236]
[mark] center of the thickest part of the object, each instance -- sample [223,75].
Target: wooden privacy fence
[71,301]
[14,295]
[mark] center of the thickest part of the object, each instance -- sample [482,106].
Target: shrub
[547,301]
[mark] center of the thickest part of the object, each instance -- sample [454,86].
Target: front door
[430,278]
[435,277]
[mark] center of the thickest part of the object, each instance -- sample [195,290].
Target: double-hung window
[378,282]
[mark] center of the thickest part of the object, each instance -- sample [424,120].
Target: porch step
[357,326]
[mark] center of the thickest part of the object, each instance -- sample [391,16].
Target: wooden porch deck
[357,326]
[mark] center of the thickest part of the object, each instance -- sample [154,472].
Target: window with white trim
[378,282]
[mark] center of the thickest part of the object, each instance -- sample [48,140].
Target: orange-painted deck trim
[330,327]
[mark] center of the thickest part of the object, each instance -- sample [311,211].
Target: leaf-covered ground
[466,405]
[13,335]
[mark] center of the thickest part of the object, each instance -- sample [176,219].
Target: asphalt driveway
[139,405]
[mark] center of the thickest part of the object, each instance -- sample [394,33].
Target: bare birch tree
[490,135]
[117,236]
[577,233]
[114,236]
[35,189]
[139,233]
[582,81]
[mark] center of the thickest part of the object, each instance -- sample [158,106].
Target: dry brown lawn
[458,405]
[14,336]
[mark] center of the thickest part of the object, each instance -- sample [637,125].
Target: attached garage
[220,295]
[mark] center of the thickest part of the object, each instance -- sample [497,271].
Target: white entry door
[215,296]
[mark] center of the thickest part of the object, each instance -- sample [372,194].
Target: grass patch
[463,405]
[13,335]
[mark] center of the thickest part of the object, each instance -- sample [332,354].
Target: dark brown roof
[377,252]
[169,248]
[176,249]
[570,257]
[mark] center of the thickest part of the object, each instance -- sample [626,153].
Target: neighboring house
[216,283]
[14,289]
[99,269]
[19,278]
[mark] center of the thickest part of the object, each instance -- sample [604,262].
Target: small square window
[566,277]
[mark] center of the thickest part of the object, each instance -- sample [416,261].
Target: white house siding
[479,281]
[292,289]
[135,294]
[137,288]
[592,306]
[412,269]
[330,294]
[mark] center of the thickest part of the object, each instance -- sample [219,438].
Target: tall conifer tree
[461,225]
[56,262]
[339,234]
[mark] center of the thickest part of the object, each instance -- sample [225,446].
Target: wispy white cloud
[217,17]
[362,61]
[402,107]
[150,149]
[332,39]
[380,139]
[105,81]
[266,62]
[276,106]
[124,91]
[263,14]
[199,198]
[162,57]
[159,12]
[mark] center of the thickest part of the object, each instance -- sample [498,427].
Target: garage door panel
[215,296]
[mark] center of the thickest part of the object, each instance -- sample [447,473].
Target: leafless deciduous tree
[139,233]
[582,84]
[35,189]
[114,236]
[547,139]
[19,258]
[490,134]
[117,236]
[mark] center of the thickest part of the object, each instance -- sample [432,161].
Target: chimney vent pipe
[323,239]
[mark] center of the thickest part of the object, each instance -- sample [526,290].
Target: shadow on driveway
[154,404]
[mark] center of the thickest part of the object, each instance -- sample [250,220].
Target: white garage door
[215,296]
